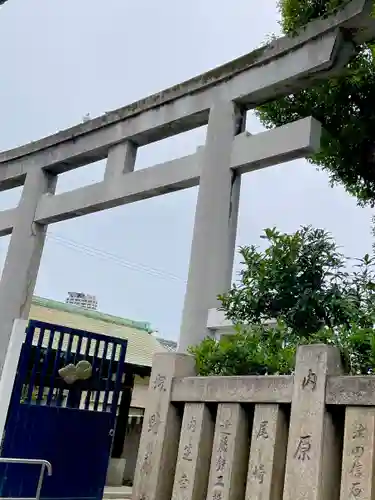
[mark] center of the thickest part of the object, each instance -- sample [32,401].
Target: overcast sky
[62,59]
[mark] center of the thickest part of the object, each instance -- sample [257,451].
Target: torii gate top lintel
[354,19]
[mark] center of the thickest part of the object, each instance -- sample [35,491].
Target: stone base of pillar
[115,473]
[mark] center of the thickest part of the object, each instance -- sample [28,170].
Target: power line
[95,252]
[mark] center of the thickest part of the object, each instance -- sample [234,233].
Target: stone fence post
[313,453]
[160,437]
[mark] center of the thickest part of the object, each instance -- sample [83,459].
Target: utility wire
[95,252]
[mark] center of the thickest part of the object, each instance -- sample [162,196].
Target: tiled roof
[171,345]
[141,344]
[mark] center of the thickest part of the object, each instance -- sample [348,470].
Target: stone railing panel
[351,391]
[249,389]
[265,477]
[358,455]
[230,453]
[194,453]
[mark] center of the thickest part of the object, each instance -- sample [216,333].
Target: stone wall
[310,436]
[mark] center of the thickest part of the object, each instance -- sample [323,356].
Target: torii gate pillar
[215,229]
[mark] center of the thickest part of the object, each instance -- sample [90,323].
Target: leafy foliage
[297,278]
[256,351]
[344,105]
[297,13]
[272,351]
[300,280]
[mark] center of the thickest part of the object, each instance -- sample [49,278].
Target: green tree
[344,105]
[302,281]
[299,278]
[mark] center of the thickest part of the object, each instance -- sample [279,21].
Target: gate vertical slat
[102,363]
[55,367]
[68,357]
[43,373]
[68,352]
[94,362]
[30,333]
[88,345]
[119,374]
[36,363]
[86,355]
[109,377]
[78,350]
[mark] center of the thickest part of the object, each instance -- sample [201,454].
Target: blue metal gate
[63,409]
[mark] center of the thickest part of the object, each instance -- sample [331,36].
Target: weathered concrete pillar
[230,453]
[265,477]
[358,463]
[313,455]
[194,453]
[159,443]
[214,236]
[121,160]
[23,258]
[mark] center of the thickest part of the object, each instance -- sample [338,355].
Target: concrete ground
[117,493]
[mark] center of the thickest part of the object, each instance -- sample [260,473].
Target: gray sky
[61,59]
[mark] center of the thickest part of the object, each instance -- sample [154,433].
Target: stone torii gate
[220,98]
